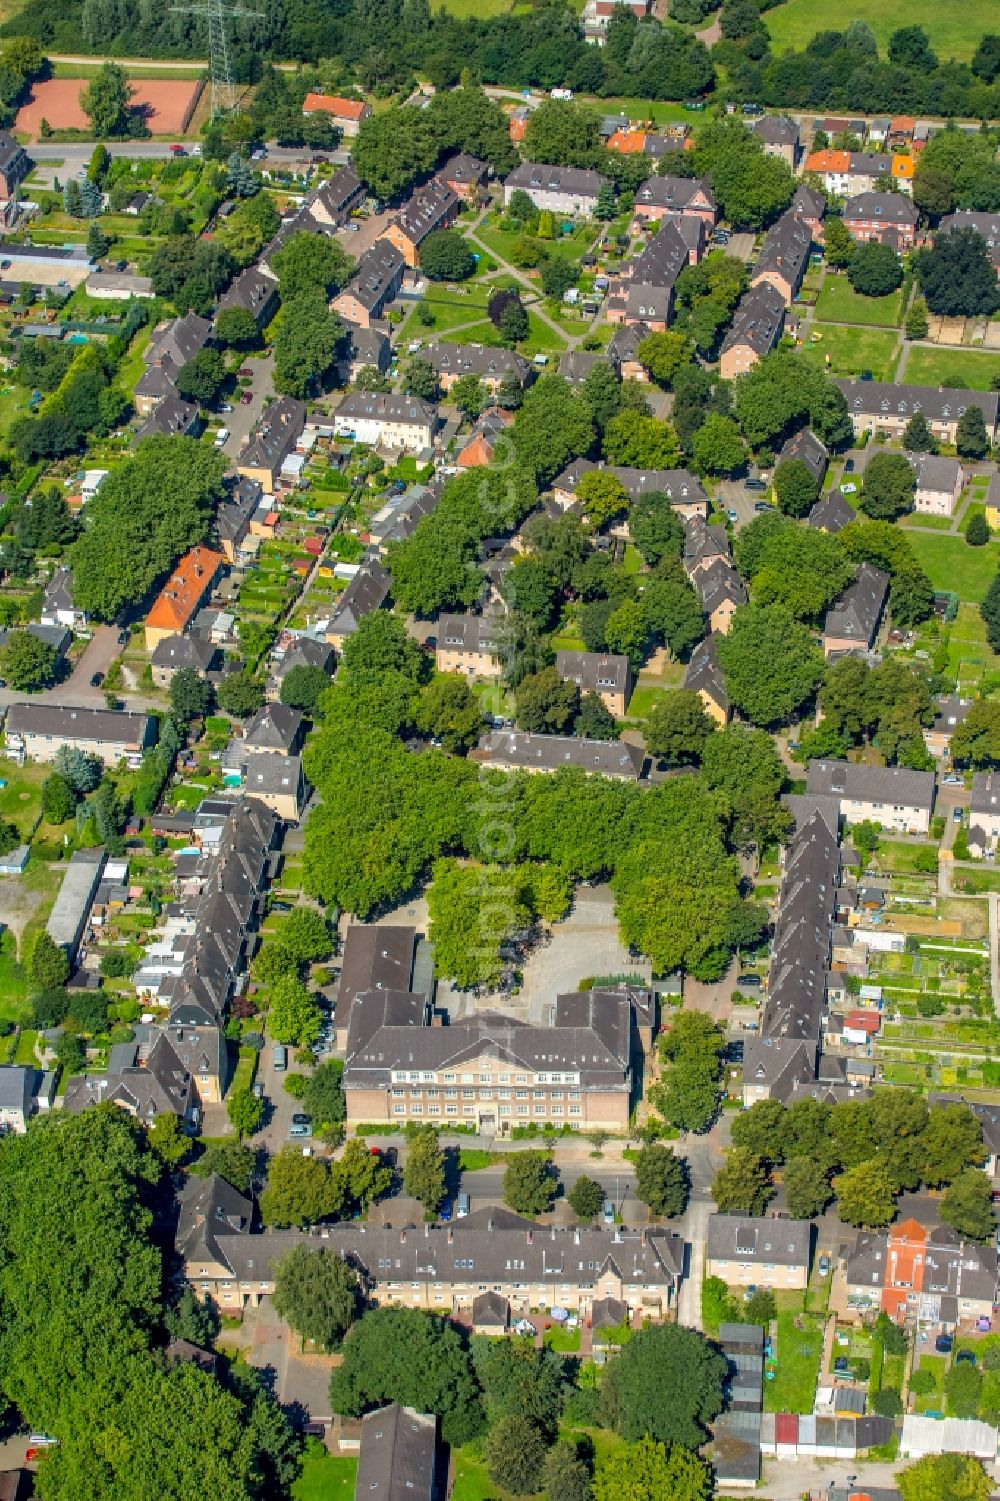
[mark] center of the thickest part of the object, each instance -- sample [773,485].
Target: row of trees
[863,1153]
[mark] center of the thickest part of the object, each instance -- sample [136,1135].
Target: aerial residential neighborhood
[499,752]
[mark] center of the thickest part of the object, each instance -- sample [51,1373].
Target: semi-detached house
[761,1252]
[39,731]
[386,421]
[893,796]
[564,190]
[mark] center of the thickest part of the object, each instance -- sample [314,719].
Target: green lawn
[13,980]
[21,798]
[796,1365]
[839,303]
[899,858]
[570,247]
[964,369]
[563,1341]
[952,564]
[932,1401]
[326,1477]
[953,30]
[848,351]
[541,338]
[472,1483]
[646,109]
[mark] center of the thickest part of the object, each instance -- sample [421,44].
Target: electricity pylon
[218,12]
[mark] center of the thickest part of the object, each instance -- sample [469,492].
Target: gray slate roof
[758,320]
[832,513]
[879,398]
[896,785]
[396,1462]
[610,758]
[856,614]
[738,1237]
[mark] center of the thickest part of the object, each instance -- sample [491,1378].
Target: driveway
[76,692]
[243,419]
[280,1105]
[734,495]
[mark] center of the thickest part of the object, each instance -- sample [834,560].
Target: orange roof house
[827,161]
[347,113]
[906,1257]
[628,142]
[476,454]
[182,595]
[902,168]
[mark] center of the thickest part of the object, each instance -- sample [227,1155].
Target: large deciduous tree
[667,1383]
[771,665]
[317,1293]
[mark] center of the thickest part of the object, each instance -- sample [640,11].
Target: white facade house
[390,421]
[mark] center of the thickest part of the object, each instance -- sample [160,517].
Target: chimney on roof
[529,1237]
[402,1236]
[451,1236]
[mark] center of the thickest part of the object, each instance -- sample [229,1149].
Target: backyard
[965,369]
[326,1477]
[839,303]
[951,564]
[849,351]
[797,1355]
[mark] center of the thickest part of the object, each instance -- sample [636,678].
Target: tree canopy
[151,509]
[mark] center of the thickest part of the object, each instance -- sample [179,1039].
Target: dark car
[965,1357]
[300,1119]
[97,680]
[943,1344]
[760,506]
[444,1213]
[755,484]
[848,466]
[246,399]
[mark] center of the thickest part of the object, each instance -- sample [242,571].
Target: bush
[887,1402]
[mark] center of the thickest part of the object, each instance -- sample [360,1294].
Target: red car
[246,398]
[178,150]
[245,371]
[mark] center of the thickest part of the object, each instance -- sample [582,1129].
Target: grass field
[848,351]
[953,30]
[839,303]
[541,338]
[326,1478]
[951,564]
[21,797]
[797,1359]
[963,368]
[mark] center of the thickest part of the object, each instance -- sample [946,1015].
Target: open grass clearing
[849,351]
[952,565]
[953,31]
[964,369]
[839,303]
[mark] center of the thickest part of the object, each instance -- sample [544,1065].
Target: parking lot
[243,419]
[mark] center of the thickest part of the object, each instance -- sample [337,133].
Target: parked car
[97,680]
[258,1090]
[848,466]
[609,1212]
[246,399]
[301,1119]
[761,505]
[943,1344]
[824,1266]
[754,484]
[300,1130]
[733,515]
[444,1213]
[245,370]
[956,814]
[462,1206]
